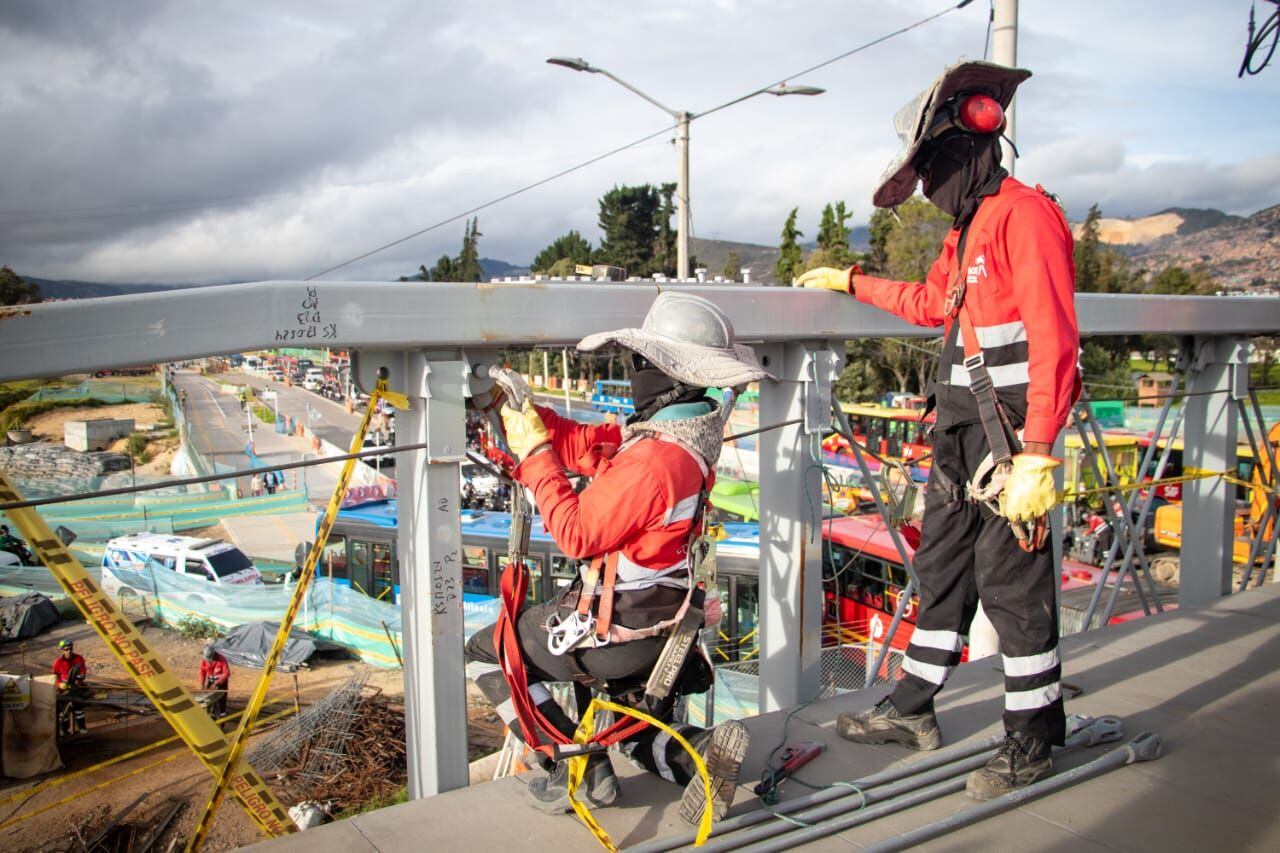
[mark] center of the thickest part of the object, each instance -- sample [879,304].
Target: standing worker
[69,671]
[638,521]
[215,675]
[1003,289]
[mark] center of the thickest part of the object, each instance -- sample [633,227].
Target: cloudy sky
[217,141]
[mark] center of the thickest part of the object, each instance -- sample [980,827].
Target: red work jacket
[1020,291]
[64,668]
[641,502]
[217,669]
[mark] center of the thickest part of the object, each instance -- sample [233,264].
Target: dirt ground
[50,426]
[169,771]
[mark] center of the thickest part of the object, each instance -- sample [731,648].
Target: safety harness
[581,629]
[1002,439]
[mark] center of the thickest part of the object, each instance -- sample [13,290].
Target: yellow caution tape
[578,767]
[241,738]
[62,780]
[161,686]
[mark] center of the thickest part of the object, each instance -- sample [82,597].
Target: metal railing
[435,342]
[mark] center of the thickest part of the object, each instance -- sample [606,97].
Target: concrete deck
[1207,680]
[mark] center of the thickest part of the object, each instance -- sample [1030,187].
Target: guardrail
[435,341]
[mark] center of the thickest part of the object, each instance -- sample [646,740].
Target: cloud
[215,141]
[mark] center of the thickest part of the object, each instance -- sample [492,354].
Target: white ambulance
[209,559]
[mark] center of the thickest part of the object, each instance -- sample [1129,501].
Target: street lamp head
[578,64]
[784,89]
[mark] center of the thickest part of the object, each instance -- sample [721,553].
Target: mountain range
[1242,253]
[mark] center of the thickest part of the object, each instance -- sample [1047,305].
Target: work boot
[885,723]
[550,794]
[723,749]
[1021,760]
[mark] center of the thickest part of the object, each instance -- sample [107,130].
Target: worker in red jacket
[635,523]
[1002,289]
[215,675]
[69,671]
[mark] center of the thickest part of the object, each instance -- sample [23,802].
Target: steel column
[790,540]
[1210,446]
[430,545]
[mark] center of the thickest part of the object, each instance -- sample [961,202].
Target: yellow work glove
[525,429]
[827,278]
[1029,492]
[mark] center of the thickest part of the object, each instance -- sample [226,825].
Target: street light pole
[684,218]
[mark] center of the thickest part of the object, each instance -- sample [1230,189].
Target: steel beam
[57,338]
[1210,446]
[430,546]
[790,540]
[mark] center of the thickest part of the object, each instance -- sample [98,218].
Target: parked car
[210,559]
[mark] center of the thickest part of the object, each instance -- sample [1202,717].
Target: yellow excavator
[1168,519]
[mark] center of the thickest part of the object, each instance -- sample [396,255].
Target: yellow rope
[578,767]
[1195,474]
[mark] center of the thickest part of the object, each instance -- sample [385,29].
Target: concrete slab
[1206,680]
[271,536]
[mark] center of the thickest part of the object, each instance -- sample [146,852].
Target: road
[219,431]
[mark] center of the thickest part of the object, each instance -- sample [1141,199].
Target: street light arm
[778,90]
[623,83]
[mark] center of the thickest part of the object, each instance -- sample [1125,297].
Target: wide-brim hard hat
[689,339]
[916,117]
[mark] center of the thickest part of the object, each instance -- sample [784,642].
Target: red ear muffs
[980,114]
[973,113]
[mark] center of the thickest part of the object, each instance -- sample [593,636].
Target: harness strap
[604,611]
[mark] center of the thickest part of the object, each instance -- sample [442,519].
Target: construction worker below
[215,676]
[69,672]
[1003,289]
[627,626]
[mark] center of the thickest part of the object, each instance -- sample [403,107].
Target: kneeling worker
[639,517]
[215,675]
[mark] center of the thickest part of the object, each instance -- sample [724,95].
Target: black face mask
[652,390]
[957,170]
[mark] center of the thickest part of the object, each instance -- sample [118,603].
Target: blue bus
[613,395]
[362,553]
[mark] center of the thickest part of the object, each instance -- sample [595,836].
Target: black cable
[1270,29]
[622,148]
[492,202]
[986,42]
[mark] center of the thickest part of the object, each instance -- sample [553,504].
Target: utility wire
[622,148]
[1270,29]
[837,58]
[492,202]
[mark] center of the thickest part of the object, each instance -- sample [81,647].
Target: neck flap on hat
[652,390]
[963,168]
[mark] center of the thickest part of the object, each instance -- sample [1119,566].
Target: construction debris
[103,832]
[344,751]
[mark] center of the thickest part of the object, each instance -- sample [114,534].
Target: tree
[1088,254]
[733,267]
[571,247]
[913,243]
[876,260]
[635,222]
[562,268]
[469,268]
[15,290]
[446,269]
[1176,281]
[790,257]
[833,235]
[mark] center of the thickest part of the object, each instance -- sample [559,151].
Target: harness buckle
[568,633]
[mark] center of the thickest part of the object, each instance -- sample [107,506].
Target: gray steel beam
[790,544]
[430,546]
[57,338]
[1210,445]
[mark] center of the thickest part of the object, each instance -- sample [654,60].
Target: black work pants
[625,664]
[969,553]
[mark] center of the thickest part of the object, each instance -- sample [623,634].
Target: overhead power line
[621,148]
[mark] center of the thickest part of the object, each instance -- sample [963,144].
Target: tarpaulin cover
[248,645]
[25,616]
[28,742]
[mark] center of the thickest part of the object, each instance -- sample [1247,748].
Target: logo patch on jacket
[978,269]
